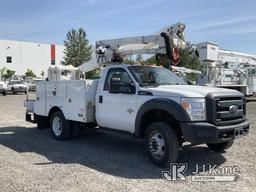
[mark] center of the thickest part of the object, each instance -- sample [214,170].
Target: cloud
[122,10]
[234,30]
[225,23]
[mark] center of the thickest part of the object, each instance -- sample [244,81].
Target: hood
[20,85]
[187,90]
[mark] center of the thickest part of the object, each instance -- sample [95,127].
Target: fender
[168,105]
[54,109]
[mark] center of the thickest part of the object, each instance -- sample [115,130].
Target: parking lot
[30,160]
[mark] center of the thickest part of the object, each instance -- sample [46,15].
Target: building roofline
[24,41]
[208,42]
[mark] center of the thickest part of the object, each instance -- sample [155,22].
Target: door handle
[100,99]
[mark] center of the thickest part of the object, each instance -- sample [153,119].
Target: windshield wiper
[158,84]
[168,84]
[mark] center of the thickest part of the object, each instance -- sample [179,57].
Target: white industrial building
[21,55]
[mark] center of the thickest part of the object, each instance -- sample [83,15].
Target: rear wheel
[60,127]
[218,147]
[4,93]
[162,144]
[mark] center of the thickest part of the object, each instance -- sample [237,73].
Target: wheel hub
[157,145]
[57,126]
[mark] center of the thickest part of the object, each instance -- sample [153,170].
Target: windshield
[154,76]
[16,82]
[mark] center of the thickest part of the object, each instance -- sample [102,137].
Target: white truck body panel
[40,103]
[120,107]
[76,99]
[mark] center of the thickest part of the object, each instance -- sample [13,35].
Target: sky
[230,23]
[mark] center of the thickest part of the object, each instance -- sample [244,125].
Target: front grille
[226,109]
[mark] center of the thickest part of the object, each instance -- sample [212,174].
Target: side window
[125,78]
[8,59]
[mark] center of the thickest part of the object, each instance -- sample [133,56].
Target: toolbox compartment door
[39,107]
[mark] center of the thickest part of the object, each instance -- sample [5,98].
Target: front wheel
[218,147]
[4,93]
[161,144]
[60,127]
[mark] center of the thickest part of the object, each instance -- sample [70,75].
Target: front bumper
[203,132]
[20,89]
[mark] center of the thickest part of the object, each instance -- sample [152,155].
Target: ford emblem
[233,109]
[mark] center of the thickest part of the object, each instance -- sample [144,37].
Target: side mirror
[116,86]
[127,89]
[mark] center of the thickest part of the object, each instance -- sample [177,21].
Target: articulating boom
[166,42]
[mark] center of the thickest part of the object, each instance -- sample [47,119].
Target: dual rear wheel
[60,127]
[63,129]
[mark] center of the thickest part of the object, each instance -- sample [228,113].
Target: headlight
[195,107]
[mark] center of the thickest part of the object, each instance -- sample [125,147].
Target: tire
[42,122]
[4,93]
[26,92]
[219,147]
[61,128]
[76,130]
[161,134]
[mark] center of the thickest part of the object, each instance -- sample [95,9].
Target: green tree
[8,74]
[30,73]
[129,61]
[77,49]
[188,58]
[151,61]
[2,72]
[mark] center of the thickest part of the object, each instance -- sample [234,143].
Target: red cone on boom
[175,56]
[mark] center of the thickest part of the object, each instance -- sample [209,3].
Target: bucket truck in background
[227,69]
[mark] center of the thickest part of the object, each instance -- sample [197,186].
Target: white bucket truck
[149,102]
